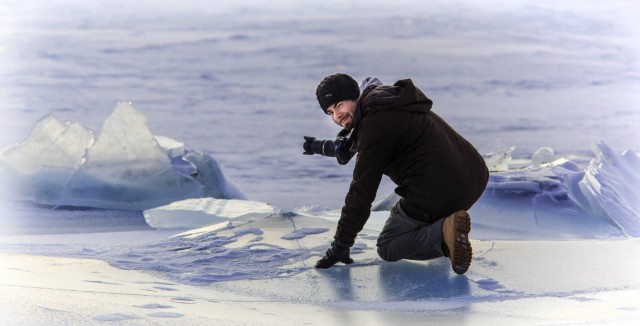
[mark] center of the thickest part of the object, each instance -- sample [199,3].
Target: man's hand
[339,252]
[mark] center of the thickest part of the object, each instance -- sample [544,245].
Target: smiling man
[439,174]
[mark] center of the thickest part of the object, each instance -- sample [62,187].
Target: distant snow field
[151,170]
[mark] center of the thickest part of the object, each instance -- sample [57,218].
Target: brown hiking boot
[455,236]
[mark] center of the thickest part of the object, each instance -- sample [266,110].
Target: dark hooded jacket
[396,134]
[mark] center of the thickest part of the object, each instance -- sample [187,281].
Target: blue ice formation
[566,198]
[556,198]
[612,186]
[61,163]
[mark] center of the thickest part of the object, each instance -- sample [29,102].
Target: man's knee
[385,253]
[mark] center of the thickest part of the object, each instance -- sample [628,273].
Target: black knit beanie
[335,88]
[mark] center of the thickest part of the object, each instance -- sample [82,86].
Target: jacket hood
[403,96]
[369,82]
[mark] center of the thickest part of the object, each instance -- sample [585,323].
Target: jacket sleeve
[376,141]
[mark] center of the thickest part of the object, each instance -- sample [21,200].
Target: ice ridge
[61,163]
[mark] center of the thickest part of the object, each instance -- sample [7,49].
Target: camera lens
[318,146]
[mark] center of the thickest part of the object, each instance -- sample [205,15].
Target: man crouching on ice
[439,174]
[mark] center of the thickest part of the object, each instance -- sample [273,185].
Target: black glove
[339,252]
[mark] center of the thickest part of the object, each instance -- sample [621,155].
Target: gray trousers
[405,238]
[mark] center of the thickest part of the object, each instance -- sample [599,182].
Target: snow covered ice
[192,204]
[194,213]
[127,168]
[233,246]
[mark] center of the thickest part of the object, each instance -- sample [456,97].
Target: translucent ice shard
[611,184]
[43,163]
[543,155]
[125,167]
[52,143]
[497,157]
[195,213]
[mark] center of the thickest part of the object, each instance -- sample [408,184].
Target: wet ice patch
[164,288]
[100,282]
[248,247]
[246,237]
[489,285]
[408,306]
[183,300]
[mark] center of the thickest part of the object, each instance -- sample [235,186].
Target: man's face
[342,113]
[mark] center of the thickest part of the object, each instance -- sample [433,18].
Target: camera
[339,148]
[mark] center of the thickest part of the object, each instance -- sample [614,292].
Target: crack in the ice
[493,244]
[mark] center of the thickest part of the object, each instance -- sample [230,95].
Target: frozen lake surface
[228,91]
[238,79]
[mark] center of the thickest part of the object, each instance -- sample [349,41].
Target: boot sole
[462,251]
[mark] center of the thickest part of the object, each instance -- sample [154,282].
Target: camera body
[338,148]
